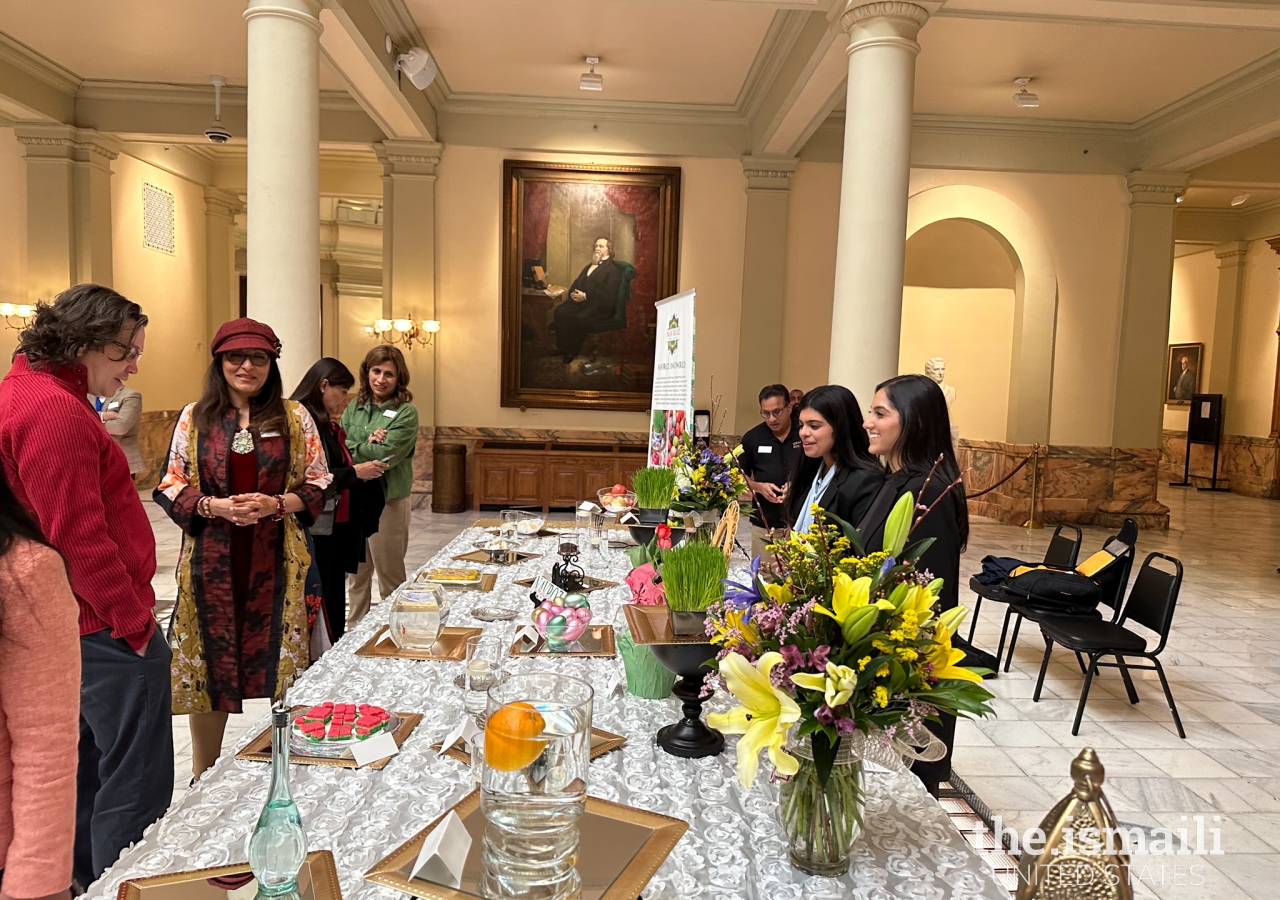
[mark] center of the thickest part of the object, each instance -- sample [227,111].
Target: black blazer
[942,559]
[601,286]
[850,492]
[367,497]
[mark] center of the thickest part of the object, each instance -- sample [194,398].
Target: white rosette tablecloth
[734,847]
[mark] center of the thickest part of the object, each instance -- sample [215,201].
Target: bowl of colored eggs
[563,620]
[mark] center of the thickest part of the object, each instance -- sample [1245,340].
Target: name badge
[764,449]
[115,404]
[390,413]
[270,434]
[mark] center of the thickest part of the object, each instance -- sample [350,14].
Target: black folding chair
[1061,554]
[1113,580]
[1151,604]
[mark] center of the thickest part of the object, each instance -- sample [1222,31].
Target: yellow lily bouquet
[836,644]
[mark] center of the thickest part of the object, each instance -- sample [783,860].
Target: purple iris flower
[888,564]
[744,596]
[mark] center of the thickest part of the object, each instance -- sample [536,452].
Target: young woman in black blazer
[324,392]
[836,458]
[909,428]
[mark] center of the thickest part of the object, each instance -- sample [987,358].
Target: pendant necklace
[242,442]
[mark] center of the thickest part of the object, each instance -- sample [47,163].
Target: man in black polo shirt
[769,452]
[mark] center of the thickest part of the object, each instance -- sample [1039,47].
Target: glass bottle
[278,845]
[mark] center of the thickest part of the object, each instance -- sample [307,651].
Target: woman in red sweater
[39,709]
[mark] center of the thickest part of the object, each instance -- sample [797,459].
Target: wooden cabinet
[549,475]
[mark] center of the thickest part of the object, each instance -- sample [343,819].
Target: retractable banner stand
[672,409]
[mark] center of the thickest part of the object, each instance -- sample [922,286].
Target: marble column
[68,207]
[1138,412]
[284,177]
[763,283]
[409,252]
[221,286]
[866,317]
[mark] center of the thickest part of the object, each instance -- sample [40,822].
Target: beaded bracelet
[280,510]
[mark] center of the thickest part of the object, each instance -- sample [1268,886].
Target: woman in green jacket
[382,424]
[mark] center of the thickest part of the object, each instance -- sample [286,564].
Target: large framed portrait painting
[587,251]
[1183,373]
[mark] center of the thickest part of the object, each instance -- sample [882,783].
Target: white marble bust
[936,369]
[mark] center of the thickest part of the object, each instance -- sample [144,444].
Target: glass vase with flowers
[837,656]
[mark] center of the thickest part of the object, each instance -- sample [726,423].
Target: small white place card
[527,633]
[588,506]
[546,589]
[380,746]
[444,853]
[465,729]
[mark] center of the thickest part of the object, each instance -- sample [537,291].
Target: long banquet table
[733,849]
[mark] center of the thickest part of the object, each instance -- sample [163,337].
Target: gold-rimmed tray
[602,742]
[651,625]
[593,584]
[487,582]
[483,558]
[620,849]
[450,646]
[596,640]
[317,880]
[259,749]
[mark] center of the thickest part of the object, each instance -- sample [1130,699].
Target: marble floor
[1223,661]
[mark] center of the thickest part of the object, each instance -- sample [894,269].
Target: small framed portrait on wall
[1183,375]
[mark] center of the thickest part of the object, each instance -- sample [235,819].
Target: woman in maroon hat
[246,474]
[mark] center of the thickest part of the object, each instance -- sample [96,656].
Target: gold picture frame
[1182,382]
[611,868]
[555,304]
[321,872]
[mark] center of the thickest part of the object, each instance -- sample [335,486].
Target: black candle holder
[566,574]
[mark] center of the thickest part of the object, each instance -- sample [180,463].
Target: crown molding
[599,110]
[233,96]
[784,30]
[1180,14]
[37,65]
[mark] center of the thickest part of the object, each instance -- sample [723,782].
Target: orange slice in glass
[510,737]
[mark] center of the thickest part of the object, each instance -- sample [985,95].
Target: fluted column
[866,317]
[409,252]
[284,177]
[1138,414]
[764,276]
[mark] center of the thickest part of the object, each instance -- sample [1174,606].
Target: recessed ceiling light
[590,81]
[1024,99]
[1241,199]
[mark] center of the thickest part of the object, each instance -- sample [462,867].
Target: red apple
[618,489]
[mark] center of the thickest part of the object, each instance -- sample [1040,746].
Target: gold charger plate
[620,849]
[450,646]
[596,640]
[317,880]
[259,749]
[593,584]
[602,742]
[482,557]
[650,625]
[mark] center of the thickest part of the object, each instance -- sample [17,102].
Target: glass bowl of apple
[617,499]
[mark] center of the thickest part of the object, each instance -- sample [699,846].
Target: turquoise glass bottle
[278,845]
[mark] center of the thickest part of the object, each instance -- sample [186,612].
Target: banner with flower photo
[671,415]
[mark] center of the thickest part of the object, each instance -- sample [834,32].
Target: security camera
[215,132]
[419,66]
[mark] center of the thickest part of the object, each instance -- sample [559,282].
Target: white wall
[1250,410]
[1191,311]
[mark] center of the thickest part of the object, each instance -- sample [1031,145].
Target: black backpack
[1055,592]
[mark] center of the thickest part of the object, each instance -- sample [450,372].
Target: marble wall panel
[1249,465]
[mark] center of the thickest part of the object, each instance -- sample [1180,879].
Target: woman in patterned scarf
[246,474]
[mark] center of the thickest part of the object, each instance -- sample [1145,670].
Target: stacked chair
[1151,605]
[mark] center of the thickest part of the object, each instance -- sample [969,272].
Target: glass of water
[537,749]
[483,668]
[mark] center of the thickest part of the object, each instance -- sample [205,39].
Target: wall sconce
[23,311]
[404,331]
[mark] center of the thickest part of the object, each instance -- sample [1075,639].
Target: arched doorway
[1035,296]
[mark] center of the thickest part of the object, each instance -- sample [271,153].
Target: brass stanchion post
[1033,521]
